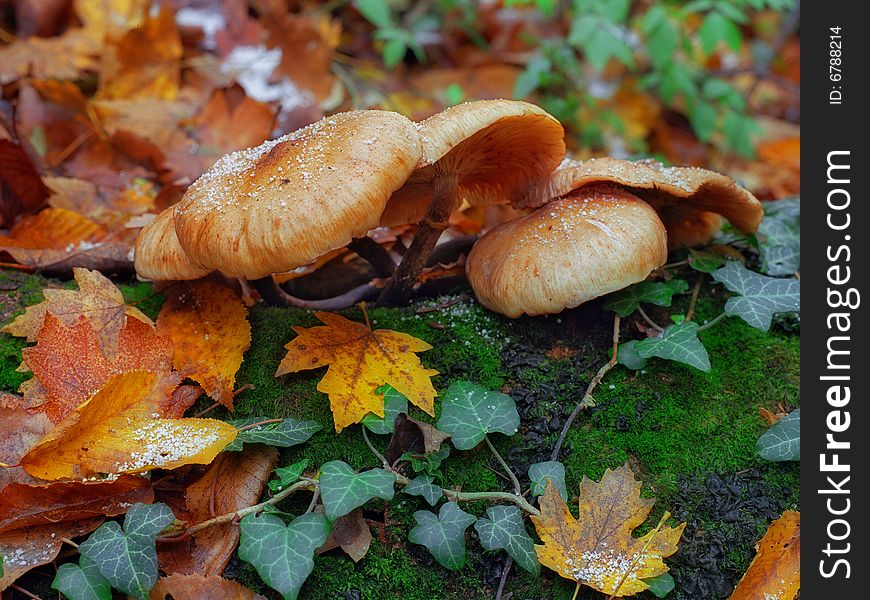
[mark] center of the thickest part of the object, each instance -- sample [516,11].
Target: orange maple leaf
[775,571]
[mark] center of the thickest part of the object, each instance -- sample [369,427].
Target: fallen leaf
[352,534]
[209,329]
[62,57]
[23,505]
[118,430]
[360,361]
[21,189]
[195,587]
[775,571]
[97,298]
[411,435]
[21,432]
[234,481]
[598,549]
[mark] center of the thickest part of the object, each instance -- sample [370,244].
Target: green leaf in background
[661,35]
[287,476]
[82,581]
[429,462]
[529,80]
[454,94]
[376,12]
[705,261]
[718,28]
[128,558]
[343,490]
[661,585]
[760,297]
[423,485]
[394,404]
[394,52]
[283,555]
[470,411]
[624,302]
[783,440]
[627,356]
[740,131]
[779,236]
[283,434]
[443,534]
[679,343]
[703,117]
[505,530]
[542,472]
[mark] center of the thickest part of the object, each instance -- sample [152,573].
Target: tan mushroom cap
[288,201]
[495,148]
[572,250]
[681,194]
[159,256]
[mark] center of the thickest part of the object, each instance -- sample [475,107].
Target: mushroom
[689,200]
[584,245]
[287,202]
[479,152]
[158,254]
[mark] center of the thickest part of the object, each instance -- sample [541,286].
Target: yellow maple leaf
[119,430]
[209,329]
[597,549]
[360,361]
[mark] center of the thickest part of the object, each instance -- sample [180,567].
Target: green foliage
[343,490]
[783,440]
[428,462]
[128,558]
[679,343]
[287,476]
[505,530]
[470,411]
[779,236]
[625,301]
[283,555]
[423,485]
[443,534]
[283,434]
[661,585]
[82,581]
[395,403]
[760,297]
[704,260]
[542,472]
[628,356]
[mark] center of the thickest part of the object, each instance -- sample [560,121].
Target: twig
[518,489]
[711,323]
[679,263]
[313,502]
[69,541]
[274,295]
[21,590]
[694,300]
[586,400]
[640,554]
[206,410]
[576,591]
[504,573]
[648,320]
[374,450]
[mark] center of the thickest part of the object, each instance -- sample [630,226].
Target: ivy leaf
[287,476]
[624,302]
[760,297]
[470,411]
[660,585]
[443,534]
[128,558]
[679,343]
[82,581]
[395,403]
[779,238]
[429,462]
[283,434]
[627,356]
[342,490]
[705,261]
[423,485]
[551,470]
[505,530]
[783,440]
[283,555]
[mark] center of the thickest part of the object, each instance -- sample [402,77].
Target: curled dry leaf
[598,549]
[351,533]
[775,571]
[195,587]
[360,361]
[21,189]
[209,328]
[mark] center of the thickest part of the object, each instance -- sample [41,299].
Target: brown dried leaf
[21,189]
[63,57]
[196,587]
[350,532]
[21,431]
[411,435]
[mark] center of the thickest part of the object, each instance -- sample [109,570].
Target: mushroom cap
[676,192]
[159,256]
[572,250]
[288,201]
[496,149]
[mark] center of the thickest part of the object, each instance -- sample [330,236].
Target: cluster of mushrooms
[591,227]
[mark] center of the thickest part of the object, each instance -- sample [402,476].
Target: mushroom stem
[375,254]
[273,294]
[401,286]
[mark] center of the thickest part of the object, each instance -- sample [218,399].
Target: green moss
[10,358]
[142,296]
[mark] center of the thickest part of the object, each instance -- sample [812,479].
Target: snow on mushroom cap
[495,148]
[159,256]
[290,200]
[572,250]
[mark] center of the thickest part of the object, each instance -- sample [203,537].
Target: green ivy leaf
[661,585]
[783,440]
[287,476]
[283,555]
[760,297]
[505,530]
[718,28]
[627,356]
[551,470]
[128,558]
[779,236]
[394,404]
[470,411]
[283,434]
[625,301]
[343,490]
[423,485]
[443,534]
[679,343]
[428,463]
[705,261]
[82,581]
